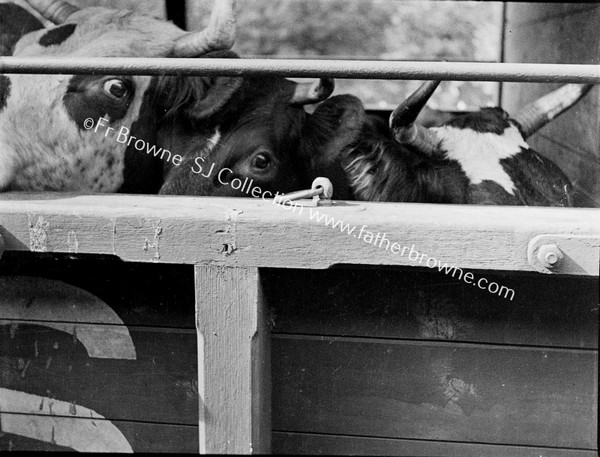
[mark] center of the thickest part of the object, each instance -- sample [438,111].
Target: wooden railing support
[233,361]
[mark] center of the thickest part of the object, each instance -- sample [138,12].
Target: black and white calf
[475,158]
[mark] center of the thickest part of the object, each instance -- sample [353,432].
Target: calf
[475,158]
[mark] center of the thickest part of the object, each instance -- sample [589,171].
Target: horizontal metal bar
[358,69]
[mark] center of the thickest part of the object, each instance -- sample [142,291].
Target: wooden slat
[425,305]
[139,293]
[233,355]
[436,391]
[141,437]
[315,444]
[159,385]
[250,232]
[565,34]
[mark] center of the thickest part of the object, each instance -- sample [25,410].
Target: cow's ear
[197,98]
[335,124]
[14,23]
[194,98]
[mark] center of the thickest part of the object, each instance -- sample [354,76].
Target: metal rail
[358,69]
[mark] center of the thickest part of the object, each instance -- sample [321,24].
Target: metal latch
[565,254]
[321,192]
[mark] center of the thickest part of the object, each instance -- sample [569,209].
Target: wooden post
[233,361]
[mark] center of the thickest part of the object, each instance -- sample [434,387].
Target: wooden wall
[97,355]
[569,34]
[411,362]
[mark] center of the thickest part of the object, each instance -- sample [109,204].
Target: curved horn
[56,11]
[537,114]
[402,121]
[218,36]
[307,93]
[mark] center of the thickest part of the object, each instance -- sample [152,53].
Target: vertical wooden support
[233,361]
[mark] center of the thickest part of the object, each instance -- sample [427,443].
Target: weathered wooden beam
[250,232]
[233,361]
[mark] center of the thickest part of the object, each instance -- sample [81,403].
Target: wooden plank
[254,233]
[47,433]
[60,306]
[566,34]
[160,385]
[528,14]
[315,444]
[234,367]
[138,293]
[436,391]
[425,305]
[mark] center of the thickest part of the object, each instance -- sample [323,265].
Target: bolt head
[550,255]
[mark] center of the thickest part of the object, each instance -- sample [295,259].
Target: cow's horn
[56,11]
[307,93]
[537,114]
[402,121]
[218,36]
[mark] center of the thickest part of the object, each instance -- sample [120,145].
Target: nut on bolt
[550,255]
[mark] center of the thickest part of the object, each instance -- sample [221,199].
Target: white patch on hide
[479,154]
[213,140]
[41,147]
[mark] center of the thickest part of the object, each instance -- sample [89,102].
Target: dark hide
[85,98]
[538,180]
[143,173]
[14,23]
[380,169]
[57,35]
[258,126]
[4,91]
[486,120]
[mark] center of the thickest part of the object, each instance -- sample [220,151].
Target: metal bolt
[550,255]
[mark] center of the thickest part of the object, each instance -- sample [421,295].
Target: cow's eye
[261,161]
[116,88]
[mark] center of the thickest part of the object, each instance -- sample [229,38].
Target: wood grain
[315,444]
[426,305]
[233,355]
[435,391]
[565,34]
[141,294]
[142,437]
[159,386]
[249,232]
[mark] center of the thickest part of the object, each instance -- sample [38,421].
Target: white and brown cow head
[44,142]
[478,158]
